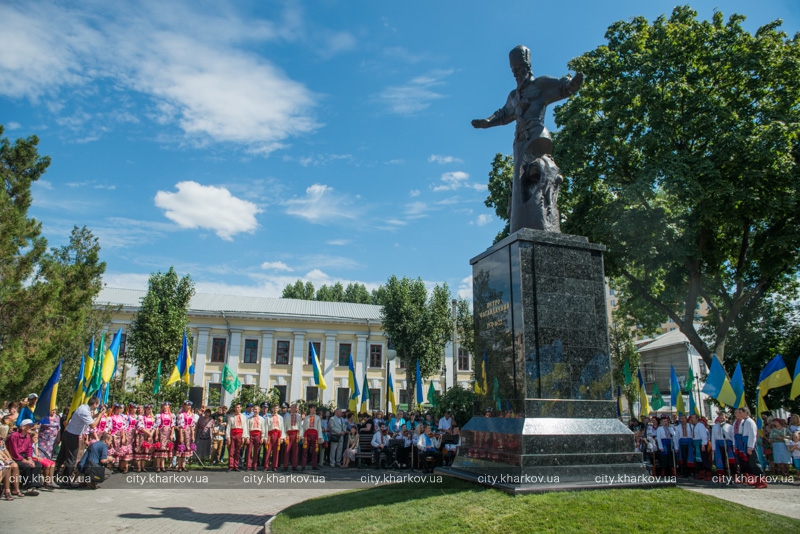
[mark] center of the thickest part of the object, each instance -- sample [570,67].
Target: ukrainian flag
[717,384]
[774,375]
[319,380]
[644,405]
[796,382]
[47,400]
[675,392]
[737,383]
[77,396]
[182,366]
[365,396]
[87,371]
[692,406]
[420,398]
[392,396]
[619,401]
[354,393]
[111,355]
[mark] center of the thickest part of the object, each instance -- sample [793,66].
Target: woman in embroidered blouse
[128,434]
[143,442]
[780,452]
[49,428]
[163,437]
[186,426]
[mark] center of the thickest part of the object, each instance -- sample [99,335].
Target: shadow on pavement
[211,521]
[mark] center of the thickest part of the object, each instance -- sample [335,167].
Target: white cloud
[416,210]
[319,160]
[337,42]
[483,219]
[126,280]
[413,193]
[465,288]
[413,96]
[13,126]
[452,181]
[276,266]
[122,232]
[338,242]
[199,70]
[436,158]
[205,206]
[44,184]
[322,204]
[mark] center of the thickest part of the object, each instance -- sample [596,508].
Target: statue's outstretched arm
[504,115]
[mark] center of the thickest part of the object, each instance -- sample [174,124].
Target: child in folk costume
[125,453]
[145,431]
[276,434]
[186,427]
[162,440]
[310,433]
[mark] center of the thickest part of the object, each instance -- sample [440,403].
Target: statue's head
[520,60]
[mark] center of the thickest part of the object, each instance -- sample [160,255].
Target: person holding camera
[80,421]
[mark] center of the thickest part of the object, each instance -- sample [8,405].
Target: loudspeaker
[196,396]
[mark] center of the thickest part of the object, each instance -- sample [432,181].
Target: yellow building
[265,341]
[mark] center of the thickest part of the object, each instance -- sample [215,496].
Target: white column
[200,356]
[266,358]
[331,359]
[449,362]
[233,361]
[361,360]
[296,389]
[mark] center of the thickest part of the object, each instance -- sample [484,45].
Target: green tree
[46,297]
[419,325]
[622,349]
[156,333]
[299,290]
[334,293]
[357,293]
[378,295]
[465,325]
[500,179]
[682,150]
[459,402]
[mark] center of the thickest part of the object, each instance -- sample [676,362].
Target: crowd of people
[59,452]
[723,452]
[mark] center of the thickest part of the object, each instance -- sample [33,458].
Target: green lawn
[457,506]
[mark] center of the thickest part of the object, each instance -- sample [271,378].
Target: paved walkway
[780,498]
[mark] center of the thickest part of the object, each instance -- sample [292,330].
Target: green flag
[687,388]
[157,383]
[626,372]
[496,393]
[657,401]
[97,371]
[432,395]
[229,380]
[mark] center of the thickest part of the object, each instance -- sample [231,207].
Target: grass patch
[458,506]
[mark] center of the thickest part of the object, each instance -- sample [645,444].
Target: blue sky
[254,143]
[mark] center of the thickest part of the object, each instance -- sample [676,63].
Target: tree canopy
[354,292]
[419,325]
[156,333]
[681,155]
[46,296]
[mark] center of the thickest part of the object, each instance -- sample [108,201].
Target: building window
[463,359]
[218,349]
[402,396]
[282,353]
[374,399]
[344,354]
[281,393]
[123,344]
[613,302]
[342,398]
[611,292]
[250,351]
[375,353]
[317,346]
[649,374]
[312,393]
[401,363]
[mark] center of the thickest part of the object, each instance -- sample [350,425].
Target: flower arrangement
[181,448]
[192,447]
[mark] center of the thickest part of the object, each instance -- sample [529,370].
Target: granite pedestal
[540,320]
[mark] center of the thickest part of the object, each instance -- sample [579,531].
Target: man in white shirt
[81,420]
[451,449]
[749,432]
[701,444]
[380,445]
[722,457]
[428,446]
[666,449]
[276,434]
[237,435]
[683,442]
[446,422]
[255,429]
[293,425]
[312,429]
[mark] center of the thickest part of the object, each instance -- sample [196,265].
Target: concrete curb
[268,524]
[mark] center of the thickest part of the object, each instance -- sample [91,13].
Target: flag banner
[644,405]
[319,380]
[77,395]
[432,395]
[657,401]
[352,405]
[717,384]
[230,382]
[87,371]
[420,398]
[47,399]
[181,370]
[392,395]
[796,382]
[496,393]
[365,395]
[626,373]
[689,385]
[774,375]
[619,401]
[676,396]
[737,383]
[111,356]
[157,382]
[97,372]
[485,384]
[693,410]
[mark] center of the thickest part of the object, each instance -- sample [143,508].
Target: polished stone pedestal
[542,355]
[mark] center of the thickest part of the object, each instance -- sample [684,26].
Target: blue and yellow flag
[319,380]
[77,396]
[96,380]
[47,400]
[737,383]
[351,380]
[420,398]
[111,356]
[796,382]
[774,375]
[392,396]
[365,396]
[619,401]
[87,371]
[644,405]
[181,370]
[675,392]
[717,384]
[692,406]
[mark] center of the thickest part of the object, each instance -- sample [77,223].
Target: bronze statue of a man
[534,192]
